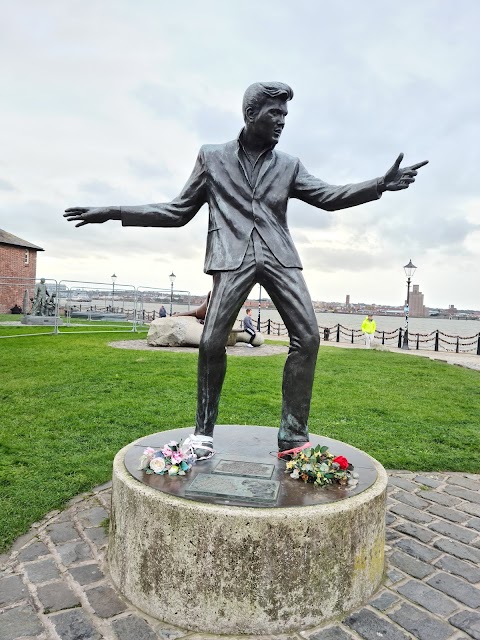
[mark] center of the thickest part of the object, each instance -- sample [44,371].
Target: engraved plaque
[235,487]
[245,469]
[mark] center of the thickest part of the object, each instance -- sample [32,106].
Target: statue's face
[269,121]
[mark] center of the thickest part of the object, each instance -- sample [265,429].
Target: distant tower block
[347,300]
[417,307]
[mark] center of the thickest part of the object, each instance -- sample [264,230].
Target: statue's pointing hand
[398,178]
[90,215]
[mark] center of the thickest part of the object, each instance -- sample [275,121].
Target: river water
[454,327]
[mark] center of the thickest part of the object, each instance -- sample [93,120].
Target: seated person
[248,326]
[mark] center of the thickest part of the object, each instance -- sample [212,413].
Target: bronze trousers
[289,293]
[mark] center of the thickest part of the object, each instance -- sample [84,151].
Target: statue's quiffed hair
[259,92]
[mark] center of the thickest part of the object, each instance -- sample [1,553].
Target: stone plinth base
[42,320]
[207,565]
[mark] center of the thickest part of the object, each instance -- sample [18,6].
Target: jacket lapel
[240,162]
[267,161]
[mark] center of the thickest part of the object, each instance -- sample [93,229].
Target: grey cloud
[211,124]
[328,260]
[149,170]
[304,216]
[33,220]
[100,193]
[164,101]
[215,125]
[6,186]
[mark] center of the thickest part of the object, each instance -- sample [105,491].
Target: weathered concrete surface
[222,569]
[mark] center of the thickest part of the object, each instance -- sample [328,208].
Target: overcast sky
[106,102]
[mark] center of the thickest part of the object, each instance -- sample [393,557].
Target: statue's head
[42,280]
[265,109]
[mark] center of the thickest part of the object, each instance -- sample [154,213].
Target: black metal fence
[434,341]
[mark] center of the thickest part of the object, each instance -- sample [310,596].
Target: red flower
[341,461]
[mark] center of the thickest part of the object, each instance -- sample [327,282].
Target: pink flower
[167,452]
[149,451]
[177,457]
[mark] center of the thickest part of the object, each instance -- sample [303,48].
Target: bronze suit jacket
[236,207]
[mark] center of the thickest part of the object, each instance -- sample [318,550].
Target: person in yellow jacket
[368,327]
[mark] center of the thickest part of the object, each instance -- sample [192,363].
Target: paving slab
[18,622]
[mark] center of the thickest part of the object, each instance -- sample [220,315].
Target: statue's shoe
[289,449]
[201,446]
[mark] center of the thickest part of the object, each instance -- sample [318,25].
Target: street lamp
[113,277]
[259,305]
[409,271]
[172,277]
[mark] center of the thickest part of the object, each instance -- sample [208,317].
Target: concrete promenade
[468,360]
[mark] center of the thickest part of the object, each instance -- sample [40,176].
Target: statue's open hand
[88,215]
[397,178]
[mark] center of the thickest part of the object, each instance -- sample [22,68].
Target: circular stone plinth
[206,563]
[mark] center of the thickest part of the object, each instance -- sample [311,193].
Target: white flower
[173,471]
[295,474]
[157,465]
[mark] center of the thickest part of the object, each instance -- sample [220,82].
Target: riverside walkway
[467,360]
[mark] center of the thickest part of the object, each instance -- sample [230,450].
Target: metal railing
[119,308]
[434,341]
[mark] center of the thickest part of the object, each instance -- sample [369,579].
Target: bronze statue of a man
[40,298]
[247,184]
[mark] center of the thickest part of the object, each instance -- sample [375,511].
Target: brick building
[18,270]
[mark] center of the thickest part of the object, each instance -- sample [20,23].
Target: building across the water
[416,305]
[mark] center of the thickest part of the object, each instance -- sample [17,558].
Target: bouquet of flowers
[321,467]
[172,459]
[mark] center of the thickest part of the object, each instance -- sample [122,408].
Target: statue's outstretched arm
[170,214]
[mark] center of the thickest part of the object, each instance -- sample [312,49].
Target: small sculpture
[40,299]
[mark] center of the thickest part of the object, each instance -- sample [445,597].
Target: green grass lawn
[68,403]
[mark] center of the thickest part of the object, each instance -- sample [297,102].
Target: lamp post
[409,271]
[114,277]
[259,305]
[172,277]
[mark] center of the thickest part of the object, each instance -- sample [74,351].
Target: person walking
[369,327]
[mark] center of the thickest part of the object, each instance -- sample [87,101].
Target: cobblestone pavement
[54,583]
